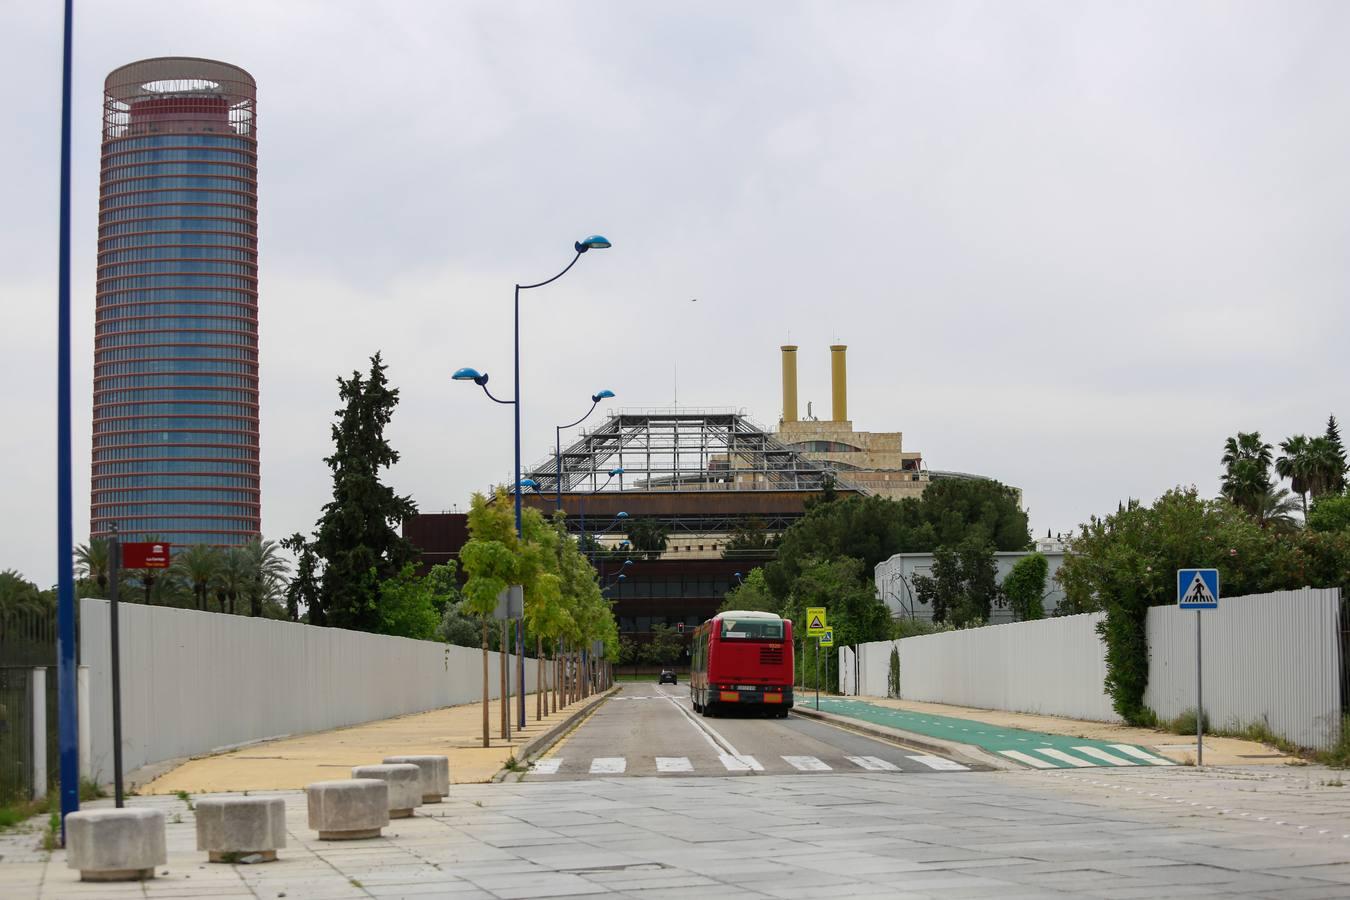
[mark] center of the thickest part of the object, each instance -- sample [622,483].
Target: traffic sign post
[1198,589]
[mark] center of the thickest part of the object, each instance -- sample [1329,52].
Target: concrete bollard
[435,774]
[348,810]
[115,844]
[229,828]
[405,786]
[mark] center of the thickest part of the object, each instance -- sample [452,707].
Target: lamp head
[528,483]
[627,563]
[617,470]
[621,515]
[467,374]
[623,577]
[736,574]
[601,395]
[594,242]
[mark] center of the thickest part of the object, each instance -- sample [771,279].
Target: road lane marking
[1065,758]
[608,765]
[710,734]
[1027,759]
[873,763]
[1105,757]
[546,766]
[1140,754]
[674,764]
[942,765]
[740,763]
[806,763]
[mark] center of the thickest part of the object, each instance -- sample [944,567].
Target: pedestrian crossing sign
[815,621]
[827,639]
[1198,588]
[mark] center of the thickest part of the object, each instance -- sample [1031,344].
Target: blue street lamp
[593,242]
[557,440]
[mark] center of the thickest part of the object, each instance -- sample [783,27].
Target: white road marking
[608,765]
[1140,754]
[942,765]
[740,763]
[873,763]
[1101,754]
[1064,757]
[546,766]
[1027,759]
[806,763]
[674,764]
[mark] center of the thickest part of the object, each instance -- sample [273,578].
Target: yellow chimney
[838,383]
[789,383]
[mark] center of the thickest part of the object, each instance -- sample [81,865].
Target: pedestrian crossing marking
[1140,754]
[806,763]
[546,766]
[1066,758]
[674,764]
[1028,760]
[942,765]
[873,763]
[608,765]
[1105,757]
[741,763]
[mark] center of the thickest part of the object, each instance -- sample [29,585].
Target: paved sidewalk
[292,763]
[1047,741]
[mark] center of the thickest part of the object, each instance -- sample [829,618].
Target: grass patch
[1338,756]
[1184,723]
[514,765]
[186,798]
[18,813]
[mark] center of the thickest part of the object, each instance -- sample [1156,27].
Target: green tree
[649,536]
[232,578]
[752,594]
[18,594]
[266,574]
[91,562]
[303,589]
[964,584]
[1275,509]
[1330,514]
[407,606]
[665,647]
[357,535]
[1292,463]
[749,536]
[198,566]
[491,560]
[1024,587]
[1246,476]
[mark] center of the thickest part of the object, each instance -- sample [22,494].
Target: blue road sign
[1198,588]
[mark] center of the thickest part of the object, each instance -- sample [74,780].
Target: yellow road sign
[815,621]
[827,639]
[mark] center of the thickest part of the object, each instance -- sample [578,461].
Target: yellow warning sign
[827,639]
[815,621]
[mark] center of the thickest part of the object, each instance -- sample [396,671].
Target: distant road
[652,730]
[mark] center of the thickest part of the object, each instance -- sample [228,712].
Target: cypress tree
[357,538]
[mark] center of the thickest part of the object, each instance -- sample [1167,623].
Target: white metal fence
[1273,658]
[195,682]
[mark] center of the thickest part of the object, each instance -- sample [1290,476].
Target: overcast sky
[1071,246]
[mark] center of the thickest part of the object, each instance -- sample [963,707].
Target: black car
[667,677]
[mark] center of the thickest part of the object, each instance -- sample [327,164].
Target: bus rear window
[752,629]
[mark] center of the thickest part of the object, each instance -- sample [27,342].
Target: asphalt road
[652,730]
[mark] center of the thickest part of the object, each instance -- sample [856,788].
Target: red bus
[742,659]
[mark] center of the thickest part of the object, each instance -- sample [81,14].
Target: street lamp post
[594,242]
[557,440]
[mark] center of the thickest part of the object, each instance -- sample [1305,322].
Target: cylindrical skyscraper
[175,450]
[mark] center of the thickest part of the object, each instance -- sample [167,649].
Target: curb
[967,753]
[545,739]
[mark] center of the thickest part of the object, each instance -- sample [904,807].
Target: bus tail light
[729,696]
[772,698]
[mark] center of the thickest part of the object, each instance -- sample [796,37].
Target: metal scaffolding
[682,450]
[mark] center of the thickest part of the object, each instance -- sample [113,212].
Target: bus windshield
[752,629]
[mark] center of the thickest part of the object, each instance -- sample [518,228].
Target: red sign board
[145,555]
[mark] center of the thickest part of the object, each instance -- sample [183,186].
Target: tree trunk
[486,741]
[501,657]
[257,604]
[539,679]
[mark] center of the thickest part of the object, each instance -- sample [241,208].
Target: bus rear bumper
[776,699]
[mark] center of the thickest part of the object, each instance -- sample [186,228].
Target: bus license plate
[746,687]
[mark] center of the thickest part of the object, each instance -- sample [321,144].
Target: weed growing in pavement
[1332,782]
[177,819]
[514,765]
[186,798]
[51,838]
[478,803]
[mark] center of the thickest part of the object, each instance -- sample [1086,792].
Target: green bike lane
[1033,749]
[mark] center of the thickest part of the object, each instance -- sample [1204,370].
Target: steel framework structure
[682,450]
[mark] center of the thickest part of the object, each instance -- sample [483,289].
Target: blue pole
[68,720]
[520,625]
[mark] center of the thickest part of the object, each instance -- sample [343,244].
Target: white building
[895,582]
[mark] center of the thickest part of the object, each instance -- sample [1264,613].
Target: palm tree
[198,565]
[1276,510]
[91,561]
[266,573]
[1293,464]
[1326,467]
[1246,478]
[18,594]
[232,577]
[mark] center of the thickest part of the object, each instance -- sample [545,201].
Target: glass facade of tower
[175,443]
